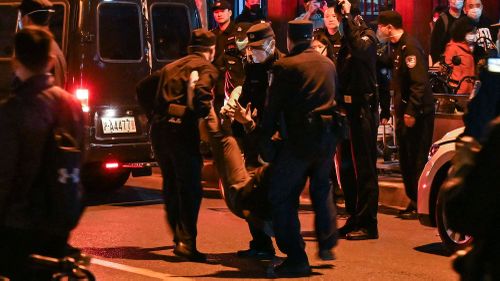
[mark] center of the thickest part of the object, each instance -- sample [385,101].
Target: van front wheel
[95,177]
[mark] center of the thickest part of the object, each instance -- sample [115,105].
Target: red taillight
[83,96]
[111,165]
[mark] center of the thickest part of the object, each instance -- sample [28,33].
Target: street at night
[126,234]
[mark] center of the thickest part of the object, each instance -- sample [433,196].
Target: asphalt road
[126,233]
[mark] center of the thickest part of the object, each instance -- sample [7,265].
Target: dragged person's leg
[241,188]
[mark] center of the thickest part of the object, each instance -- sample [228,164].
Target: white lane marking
[137,270]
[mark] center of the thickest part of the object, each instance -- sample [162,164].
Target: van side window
[57,24]
[8,22]
[119,35]
[171,29]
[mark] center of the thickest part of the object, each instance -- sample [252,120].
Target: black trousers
[177,150]
[358,172]
[414,144]
[288,174]
[18,244]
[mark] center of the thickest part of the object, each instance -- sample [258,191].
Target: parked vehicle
[109,46]
[430,209]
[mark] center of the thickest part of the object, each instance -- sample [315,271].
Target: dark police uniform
[254,91]
[358,95]
[412,96]
[303,83]
[226,41]
[175,138]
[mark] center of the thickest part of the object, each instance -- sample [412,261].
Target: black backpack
[61,172]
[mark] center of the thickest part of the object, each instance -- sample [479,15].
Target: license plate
[119,125]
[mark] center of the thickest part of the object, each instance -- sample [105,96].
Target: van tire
[95,178]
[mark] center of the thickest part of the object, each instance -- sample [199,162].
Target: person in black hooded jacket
[27,119]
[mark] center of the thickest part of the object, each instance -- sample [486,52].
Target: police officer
[356,64]
[39,13]
[262,54]
[226,64]
[413,102]
[300,99]
[175,137]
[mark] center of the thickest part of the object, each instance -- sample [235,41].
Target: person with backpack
[175,135]
[441,33]
[41,146]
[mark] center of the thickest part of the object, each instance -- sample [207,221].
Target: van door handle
[87,37]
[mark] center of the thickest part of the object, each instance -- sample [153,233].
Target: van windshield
[171,30]
[120,32]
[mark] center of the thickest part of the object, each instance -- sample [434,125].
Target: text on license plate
[112,125]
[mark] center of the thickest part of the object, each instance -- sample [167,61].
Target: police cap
[221,5]
[390,17]
[202,38]
[258,33]
[299,30]
[31,6]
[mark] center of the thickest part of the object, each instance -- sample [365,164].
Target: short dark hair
[41,18]
[460,28]
[320,36]
[38,11]
[32,48]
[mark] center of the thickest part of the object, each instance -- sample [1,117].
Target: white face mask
[474,13]
[260,56]
[459,4]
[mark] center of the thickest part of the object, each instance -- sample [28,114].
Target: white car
[430,209]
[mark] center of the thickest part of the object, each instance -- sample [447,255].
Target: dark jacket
[254,91]
[173,85]
[249,16]
[441,35]
[356,62]
[26,120]
[60,67]
[303,82]
[484,106]
[226,40]
[410,80]
[257,82]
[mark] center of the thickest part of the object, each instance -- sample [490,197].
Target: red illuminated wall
[280,12]
[416,17]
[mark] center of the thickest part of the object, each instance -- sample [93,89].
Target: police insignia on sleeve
[411,61]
